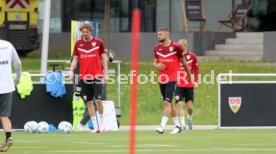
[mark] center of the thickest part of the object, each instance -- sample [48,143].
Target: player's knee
[98,101]
[167,105]
[180,104]
[190,104]
[90,105]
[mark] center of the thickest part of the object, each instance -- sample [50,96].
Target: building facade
[155,13]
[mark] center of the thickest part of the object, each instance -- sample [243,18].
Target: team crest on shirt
[188,57]
[235,103]
[94,44]
[171,49]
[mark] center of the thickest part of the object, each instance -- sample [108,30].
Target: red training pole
[134,72]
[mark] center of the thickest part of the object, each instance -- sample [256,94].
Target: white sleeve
[16,63]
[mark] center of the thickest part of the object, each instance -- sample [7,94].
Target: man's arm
[17,65]
[155,62]
[158,65]
[183,61]
[196,71]
[73,66]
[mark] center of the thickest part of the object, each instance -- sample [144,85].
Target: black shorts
[167,90]
[5,104]
[181,93]
[92,89]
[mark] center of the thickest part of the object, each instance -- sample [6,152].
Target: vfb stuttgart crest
[93,44]
[171,49]
[235,103]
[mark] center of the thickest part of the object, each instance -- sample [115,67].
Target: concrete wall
[58,42]
[269,46]
[121,42]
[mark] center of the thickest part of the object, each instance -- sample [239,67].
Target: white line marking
[143,145]
[180,150]
[28,141]
[149,150]
[256,144]
[87,143]
[18,147]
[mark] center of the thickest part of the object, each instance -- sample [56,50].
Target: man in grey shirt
[8,56]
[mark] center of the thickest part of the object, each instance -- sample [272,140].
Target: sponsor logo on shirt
[3,48]
[166,60]
[87,56]
[4,62]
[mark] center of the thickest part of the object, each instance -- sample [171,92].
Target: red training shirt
[191,61]
[89,56]
[169,56]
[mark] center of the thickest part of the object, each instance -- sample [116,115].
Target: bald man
[185,89]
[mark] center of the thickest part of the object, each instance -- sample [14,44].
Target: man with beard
[167,58]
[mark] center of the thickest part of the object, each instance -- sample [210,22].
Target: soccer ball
[30,127]
[65,127]
[43,127]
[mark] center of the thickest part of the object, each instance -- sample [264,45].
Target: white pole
[45,38]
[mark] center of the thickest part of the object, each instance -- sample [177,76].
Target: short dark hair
[165,29]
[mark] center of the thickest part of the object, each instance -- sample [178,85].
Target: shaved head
[183,43]
[163,29]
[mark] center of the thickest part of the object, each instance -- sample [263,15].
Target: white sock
[101,119]
[175,121]
[182,120]
[164,122]
[94,121]
[190,117]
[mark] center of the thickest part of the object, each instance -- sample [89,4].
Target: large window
[262,15]
[55,17]
[120,13]
[82,10]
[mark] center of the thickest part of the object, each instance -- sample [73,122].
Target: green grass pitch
[148,142]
